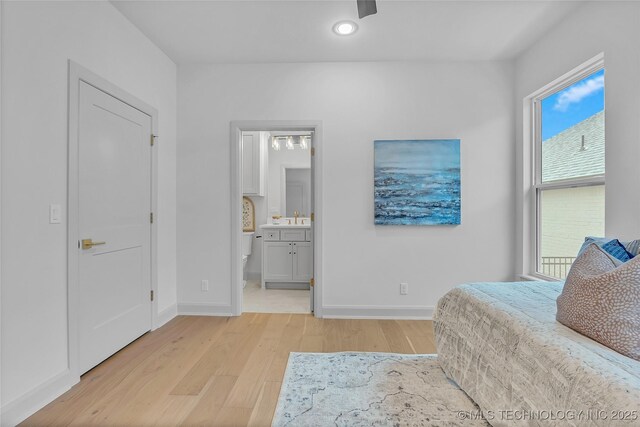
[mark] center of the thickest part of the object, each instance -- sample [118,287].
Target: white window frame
[537,186]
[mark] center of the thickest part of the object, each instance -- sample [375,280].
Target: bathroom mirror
[296,191]
[289,175]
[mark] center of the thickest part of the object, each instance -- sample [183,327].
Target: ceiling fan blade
[366,8]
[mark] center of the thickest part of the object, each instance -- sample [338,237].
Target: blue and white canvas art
[417,182]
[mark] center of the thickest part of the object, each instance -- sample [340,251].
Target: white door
[114,193]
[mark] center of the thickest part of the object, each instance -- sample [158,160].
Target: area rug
[371,389]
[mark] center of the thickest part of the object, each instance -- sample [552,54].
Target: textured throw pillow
[602,301]
[616,249]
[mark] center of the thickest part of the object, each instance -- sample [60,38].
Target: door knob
[88,243]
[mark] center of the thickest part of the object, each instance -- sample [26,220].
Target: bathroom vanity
[287,255]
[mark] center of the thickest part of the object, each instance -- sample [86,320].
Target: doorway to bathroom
[276,217]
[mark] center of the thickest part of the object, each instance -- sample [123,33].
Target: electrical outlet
[404,289]
[204,286]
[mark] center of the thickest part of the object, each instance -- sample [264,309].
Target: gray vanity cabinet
[287,261]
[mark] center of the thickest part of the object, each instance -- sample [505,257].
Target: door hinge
[313,151]
[312,282]
[153,139]
[313,216]
[151,295]
[151,217]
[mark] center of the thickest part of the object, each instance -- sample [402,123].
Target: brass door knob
[88,243]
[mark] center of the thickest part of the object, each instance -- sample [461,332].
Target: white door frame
[78,74]
[237,127]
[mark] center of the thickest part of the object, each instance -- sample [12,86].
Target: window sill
[535,277]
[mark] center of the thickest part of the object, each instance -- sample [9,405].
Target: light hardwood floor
[217,371]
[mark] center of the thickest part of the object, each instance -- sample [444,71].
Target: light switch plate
[55,214]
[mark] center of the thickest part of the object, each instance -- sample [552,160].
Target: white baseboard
[166,315]
[377,312]
[29,403]
[203,309]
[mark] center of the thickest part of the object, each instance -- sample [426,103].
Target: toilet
[247,240]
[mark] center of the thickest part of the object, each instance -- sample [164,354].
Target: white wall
[37,40]
[357,102]
[595,27]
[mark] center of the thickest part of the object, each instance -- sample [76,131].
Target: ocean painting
[417,182]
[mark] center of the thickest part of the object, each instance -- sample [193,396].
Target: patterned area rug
[371,389]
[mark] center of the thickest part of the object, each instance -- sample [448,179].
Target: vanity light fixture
[345,28]
[291,142]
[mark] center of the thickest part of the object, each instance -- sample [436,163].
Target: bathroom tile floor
[258,300]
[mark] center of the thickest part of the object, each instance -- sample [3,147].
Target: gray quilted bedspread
[502,344]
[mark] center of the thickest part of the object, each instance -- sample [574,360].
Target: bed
[501,343]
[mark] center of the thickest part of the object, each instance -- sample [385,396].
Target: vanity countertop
[306,225]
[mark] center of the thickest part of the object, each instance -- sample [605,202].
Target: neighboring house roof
[564,157]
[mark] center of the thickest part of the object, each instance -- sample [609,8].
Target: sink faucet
[295,215]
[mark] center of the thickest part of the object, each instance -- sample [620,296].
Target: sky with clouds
[572,105]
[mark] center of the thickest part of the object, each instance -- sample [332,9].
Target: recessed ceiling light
[345,28]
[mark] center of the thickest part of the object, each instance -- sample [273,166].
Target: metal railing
[556,266]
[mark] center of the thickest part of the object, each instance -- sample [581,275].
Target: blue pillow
[617,250]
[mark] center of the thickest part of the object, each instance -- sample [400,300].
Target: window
[569,169]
